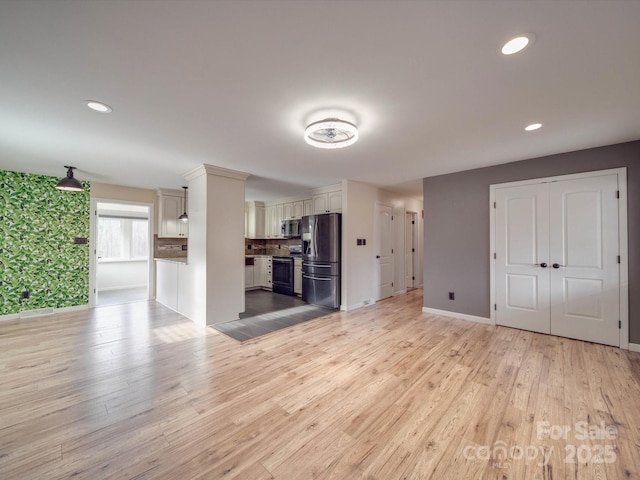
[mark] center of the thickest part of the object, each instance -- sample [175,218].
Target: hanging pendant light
[68,183]
[184,218]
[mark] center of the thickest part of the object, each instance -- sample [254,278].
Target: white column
[215,269]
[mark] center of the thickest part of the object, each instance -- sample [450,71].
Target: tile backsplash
[270,246]
[169,247]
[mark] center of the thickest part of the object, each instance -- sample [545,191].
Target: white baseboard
[10,317]
[460,316]
[634,347]
[125,287]
[39,312]
[399,292]
[364,303]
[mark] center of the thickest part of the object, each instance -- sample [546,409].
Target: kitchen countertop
[172,260]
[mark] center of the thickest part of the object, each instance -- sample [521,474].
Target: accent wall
[456,222]
[38,225]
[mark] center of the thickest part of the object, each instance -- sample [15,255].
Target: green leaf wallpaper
[38,225]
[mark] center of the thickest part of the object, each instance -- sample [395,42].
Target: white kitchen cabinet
[298,209]
[248,276]
[287,210]
[279,216]
[262,272]
[167,284]
[254,219]
[273,220]
[307,208]
[171,205]
[297,276]
[327,199]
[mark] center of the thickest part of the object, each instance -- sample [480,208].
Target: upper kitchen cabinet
[254,219]
[284,209]
[171,205]
[327,199]
[307,208]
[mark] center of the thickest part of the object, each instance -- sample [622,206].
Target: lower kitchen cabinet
[248,276]
[297,276]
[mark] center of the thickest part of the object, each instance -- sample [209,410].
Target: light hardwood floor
[383,392]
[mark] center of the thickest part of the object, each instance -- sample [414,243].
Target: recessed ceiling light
[516,44]
[331,133]
[532,127]
[99,106]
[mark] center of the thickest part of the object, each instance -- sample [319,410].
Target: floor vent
[36,313]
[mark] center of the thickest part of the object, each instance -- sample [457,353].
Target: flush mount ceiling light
[68,183]
[184,218]
[517,44]
[331,133]
[99,106]
[532,127]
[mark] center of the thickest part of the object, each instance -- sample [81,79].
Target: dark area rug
[258,325]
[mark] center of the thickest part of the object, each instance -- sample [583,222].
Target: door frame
[376,248]
[411,216]
[622,238]
[93,247]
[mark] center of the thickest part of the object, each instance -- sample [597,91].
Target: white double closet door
[556,266]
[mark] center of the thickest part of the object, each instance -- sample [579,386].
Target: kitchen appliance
[321,239]
[282,271]
[291,228]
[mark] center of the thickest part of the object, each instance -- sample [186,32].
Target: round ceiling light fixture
[517,44]
[99,106]
[331,133]
[532,127]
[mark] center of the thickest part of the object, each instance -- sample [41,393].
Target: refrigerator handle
[316,278]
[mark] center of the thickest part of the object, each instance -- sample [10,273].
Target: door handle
[543,265]
[377,256]
[557,265]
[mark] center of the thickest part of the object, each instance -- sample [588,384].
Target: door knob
[543,265]
[377,256]
[557,265]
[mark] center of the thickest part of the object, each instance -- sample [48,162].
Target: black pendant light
[68,183]
[184,218]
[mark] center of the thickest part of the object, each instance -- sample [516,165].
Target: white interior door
[556,266]
[522,256]
[384,250]
[584,251]
[409,248]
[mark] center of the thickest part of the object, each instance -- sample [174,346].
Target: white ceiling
[234,83]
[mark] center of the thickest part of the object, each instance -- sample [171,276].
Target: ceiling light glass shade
[68,183]
[515,45]
[331,133]
[99,106]
[532,127]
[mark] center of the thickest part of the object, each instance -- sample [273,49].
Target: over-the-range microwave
[291,228]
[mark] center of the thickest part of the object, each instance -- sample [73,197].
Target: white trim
[93,260]
[124,287]
[364,303]
[622,238]
[206,169]
[459,316]
[399,292]
[16,316]
[634,347]
[623,251]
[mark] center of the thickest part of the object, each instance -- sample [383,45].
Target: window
[121,238]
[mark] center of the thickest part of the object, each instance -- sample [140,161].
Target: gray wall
[456,223]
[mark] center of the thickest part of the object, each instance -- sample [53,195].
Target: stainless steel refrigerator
[321,238]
